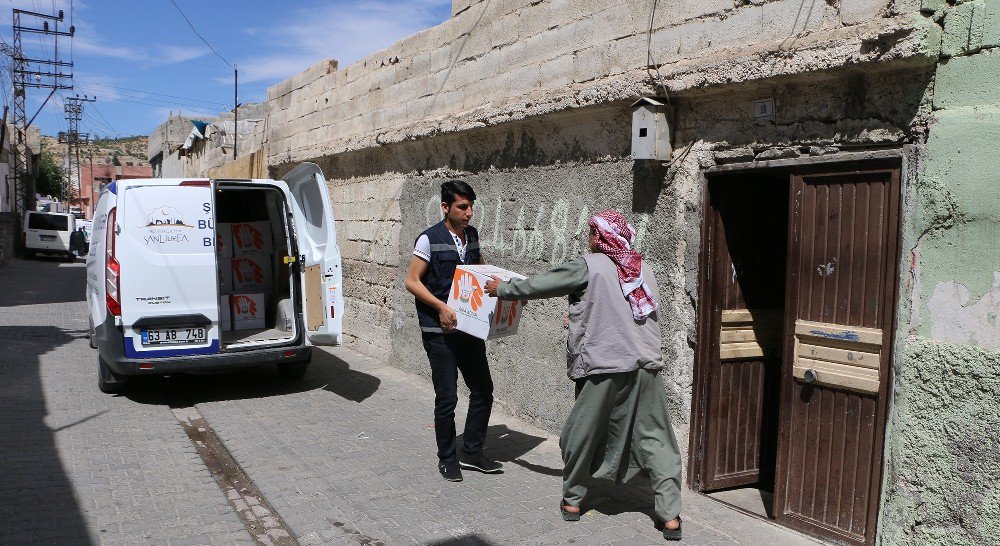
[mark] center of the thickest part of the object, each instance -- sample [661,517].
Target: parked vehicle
[159,293]
[47,233]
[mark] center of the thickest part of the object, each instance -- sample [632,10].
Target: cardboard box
[252,273]
[248,311]
[224,240]
[481,315]
[225,314]
[251,238]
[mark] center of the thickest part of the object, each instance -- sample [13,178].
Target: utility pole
[236,109]
[73,110]
[27,72]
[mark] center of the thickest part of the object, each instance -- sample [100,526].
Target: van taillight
[112,273]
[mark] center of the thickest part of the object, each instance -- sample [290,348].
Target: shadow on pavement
[326,372]
[610,498]
[507,445]
[57,276]
[37,503]
[464,540]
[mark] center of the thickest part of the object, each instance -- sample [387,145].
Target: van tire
[28,254]
[108,381]
[294,371]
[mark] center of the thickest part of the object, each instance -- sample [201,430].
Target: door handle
[810,376]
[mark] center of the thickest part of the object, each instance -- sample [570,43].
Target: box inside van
[255,282]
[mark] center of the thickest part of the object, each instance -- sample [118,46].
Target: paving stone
[344,456]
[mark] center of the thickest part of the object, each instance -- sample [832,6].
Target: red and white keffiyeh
[615,239]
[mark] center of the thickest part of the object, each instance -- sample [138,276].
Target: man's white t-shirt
[422,249]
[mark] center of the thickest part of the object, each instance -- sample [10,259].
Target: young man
[436,254]
[613,355]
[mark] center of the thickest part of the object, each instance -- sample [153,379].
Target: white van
[168,291]
[47,233]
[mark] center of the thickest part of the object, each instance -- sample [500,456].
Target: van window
[51,222]
[309,195]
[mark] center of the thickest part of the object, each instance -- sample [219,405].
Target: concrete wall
[943,435]
[504,61]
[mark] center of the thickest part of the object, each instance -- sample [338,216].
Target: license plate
[174,336]
[48,237]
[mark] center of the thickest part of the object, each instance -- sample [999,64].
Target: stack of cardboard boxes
[245,273]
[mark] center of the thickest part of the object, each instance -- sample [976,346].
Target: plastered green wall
[943,471]
[943,438]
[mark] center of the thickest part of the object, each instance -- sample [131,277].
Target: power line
[196,33]
[106,122]
[117,88]
[111,95]
[204,111]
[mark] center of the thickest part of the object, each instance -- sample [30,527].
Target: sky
[142,61]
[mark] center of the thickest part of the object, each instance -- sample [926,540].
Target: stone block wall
[497,62]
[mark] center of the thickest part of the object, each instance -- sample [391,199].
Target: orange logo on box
[244,305]
[467,289]
[246,269]
[247,236]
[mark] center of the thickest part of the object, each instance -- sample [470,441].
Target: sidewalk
[347,457]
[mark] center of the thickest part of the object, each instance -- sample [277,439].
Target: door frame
[887,159]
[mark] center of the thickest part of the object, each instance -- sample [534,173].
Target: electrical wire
[106,122]
[117,88]
[148,102]
[650,65]
[196,33]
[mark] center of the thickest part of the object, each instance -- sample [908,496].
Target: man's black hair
[451,189]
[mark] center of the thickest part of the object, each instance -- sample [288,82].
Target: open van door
[321,279]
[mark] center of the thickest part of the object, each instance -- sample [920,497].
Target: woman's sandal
[672,534]
[566,514]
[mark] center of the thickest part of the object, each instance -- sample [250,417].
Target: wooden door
[747,230]
[839,320]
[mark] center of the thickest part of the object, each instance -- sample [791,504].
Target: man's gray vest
[603,336]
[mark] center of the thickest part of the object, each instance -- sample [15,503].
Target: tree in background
[51,177]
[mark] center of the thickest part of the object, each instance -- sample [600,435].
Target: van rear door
[320,269]
[166,251]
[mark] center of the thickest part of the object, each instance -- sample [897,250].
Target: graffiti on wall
[550,231]
[553,232]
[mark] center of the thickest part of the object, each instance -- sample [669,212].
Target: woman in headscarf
[619,423]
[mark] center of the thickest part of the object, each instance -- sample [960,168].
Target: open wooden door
[746,232]
[839,320]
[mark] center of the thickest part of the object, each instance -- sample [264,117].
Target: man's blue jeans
[449,354]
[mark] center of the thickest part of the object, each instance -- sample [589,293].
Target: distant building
[94,178]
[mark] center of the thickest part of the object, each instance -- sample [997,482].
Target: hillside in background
[118,151]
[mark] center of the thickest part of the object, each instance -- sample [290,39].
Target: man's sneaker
[481,463]
[450,471]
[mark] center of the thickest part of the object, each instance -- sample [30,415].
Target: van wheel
[294,371]
[28,254]
[108,381]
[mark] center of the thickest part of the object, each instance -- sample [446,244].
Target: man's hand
[448,318]
[492,285]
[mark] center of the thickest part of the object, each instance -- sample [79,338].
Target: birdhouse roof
[648,101]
